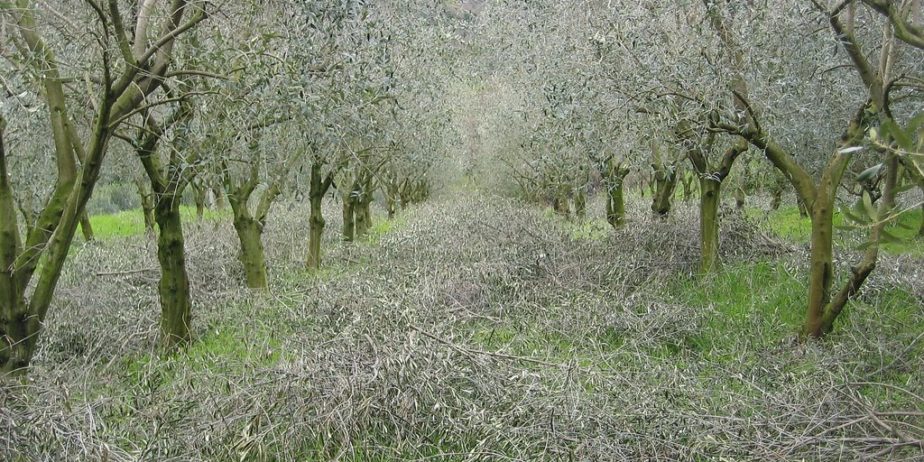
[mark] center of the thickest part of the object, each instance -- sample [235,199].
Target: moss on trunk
[821,265]
[316,225]
[252,256]
[616,205]
[709,201]
[175,299]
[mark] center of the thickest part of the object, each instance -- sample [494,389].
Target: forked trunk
[175,300]
[665,183]
[709,202]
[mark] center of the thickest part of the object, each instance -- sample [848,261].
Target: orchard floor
[475,328]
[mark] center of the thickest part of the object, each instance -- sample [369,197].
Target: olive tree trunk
[709,202]
[616,205]
[349,225]
[175,299]
[252,256]
[86,228]
[665,183]
[317,189]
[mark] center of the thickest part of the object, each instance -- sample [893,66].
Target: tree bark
[317,189]
[86,228]
[616,205]
[363,215]
[252,257]
[147,207]
[921,230]
[316,225]
[14,355]
[709,203]
[175,300]
[349,226]
[665,183]
[200,196]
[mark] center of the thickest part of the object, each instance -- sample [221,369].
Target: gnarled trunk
[665,183]
[317,189]
[175,300]
[709,202]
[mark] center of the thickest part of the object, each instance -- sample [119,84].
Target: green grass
[762,297]
[589,230]
[222,350]
[381,227]
[131,222]
[788,224]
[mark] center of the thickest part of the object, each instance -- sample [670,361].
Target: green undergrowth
[131,222]
[381,227]
[763,300]
[787,223]
[589,230]
[223,350]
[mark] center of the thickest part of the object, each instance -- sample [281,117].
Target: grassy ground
[473,329]
[131,222]
[788,224]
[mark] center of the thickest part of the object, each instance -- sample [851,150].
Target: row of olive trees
[93,78]
[708,83]
[242,100]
